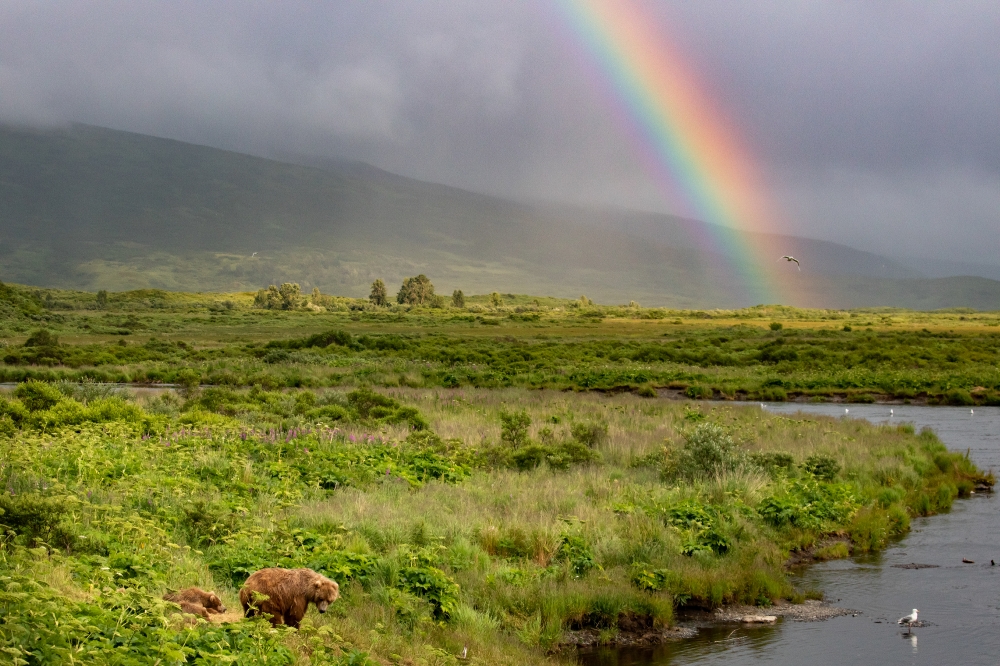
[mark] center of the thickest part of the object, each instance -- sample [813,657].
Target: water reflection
[958,601]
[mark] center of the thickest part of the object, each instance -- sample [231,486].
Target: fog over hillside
[870,124]
[93,208]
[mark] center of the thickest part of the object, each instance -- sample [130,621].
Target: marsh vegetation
[422,458]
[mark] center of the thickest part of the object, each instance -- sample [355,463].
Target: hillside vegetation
[91,208]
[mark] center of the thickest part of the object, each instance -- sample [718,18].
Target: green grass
[154,336]
[438,536]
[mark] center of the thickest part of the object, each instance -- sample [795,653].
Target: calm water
[962,601]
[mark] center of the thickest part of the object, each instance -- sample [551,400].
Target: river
[960,602]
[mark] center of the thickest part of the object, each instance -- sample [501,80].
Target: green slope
[90,208]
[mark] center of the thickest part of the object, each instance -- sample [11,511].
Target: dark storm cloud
[875,121]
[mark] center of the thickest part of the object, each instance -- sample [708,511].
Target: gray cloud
[874,121]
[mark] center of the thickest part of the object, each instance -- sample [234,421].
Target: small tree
[267,299]
[379,296]
[514,428]
[416,291]
[290,295]
[496,300]
[458,298]
[102,298]
[286,297]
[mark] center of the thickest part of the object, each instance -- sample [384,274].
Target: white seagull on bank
[909,620]
[789,257]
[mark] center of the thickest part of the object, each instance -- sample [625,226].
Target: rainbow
[686,142]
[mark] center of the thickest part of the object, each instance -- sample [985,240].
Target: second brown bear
[196,595]
[289,592]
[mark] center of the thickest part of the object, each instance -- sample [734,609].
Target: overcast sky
[875,122]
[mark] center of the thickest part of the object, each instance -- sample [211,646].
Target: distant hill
[90,208]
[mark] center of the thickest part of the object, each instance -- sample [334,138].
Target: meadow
[764,353]
[501,520]
[508,476]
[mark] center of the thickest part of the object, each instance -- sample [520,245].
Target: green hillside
[91,208]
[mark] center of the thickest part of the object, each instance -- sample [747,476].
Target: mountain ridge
[88,207]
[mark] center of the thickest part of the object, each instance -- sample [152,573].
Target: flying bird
[789,257]
[253,255]
[908,620]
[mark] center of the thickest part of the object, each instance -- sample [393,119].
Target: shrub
[514,428]
[37,395]
[776,326]
[707,450]
[36,518]
[458,298]
[773,462]
[590,435]
[822,467]
[42,338]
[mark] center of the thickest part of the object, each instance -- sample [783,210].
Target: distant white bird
[908,620]
[253,255]
[465,653]
[846,410]
[972,411]
[789,257]
[890,412]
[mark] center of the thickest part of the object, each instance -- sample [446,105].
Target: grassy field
[495,519]
[768,353]
[433,462]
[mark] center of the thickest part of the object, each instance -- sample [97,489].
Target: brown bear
[289,592]
[191,608]
[210,601]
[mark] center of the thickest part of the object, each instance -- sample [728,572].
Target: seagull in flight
[908,620]
[253,255]
[789,257]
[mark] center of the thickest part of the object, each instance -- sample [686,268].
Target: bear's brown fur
[191,608]
[289,592]
[210,601]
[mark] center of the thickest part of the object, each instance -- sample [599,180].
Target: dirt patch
[228,616]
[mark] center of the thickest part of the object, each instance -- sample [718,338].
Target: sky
[872,122]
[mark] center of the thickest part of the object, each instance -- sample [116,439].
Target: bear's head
[325,592]
[213,602]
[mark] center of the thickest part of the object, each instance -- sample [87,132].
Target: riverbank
[493,520]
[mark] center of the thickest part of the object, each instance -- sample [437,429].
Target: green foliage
[776,326]
[514,428]
[707,450]
[774,462]
[378,297]
[286,297]
[458,299]
[37,396]
[417,291]
[822,467]
[590,435]
[578,554]
[809,504]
